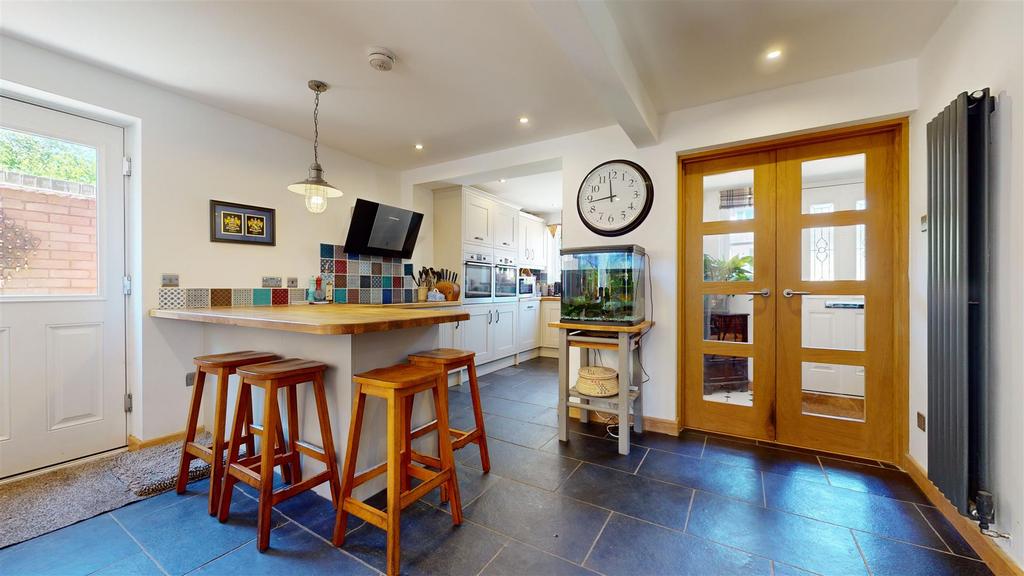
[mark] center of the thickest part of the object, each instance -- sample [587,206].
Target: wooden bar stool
[448,359]
[222,366]
[258,471]
[397,384]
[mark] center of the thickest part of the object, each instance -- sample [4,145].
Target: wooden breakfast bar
[349,338]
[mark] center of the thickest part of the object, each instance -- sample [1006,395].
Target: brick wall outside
[65,262]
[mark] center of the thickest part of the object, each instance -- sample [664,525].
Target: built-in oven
[506,277]
[478,276]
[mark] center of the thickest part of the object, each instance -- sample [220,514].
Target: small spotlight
[524,120]
[502,180]
[419,146]
[773,54]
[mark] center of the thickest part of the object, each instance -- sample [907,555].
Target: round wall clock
[615,197]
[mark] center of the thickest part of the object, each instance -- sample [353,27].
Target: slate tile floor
[696,504]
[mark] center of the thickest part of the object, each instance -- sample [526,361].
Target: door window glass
[833,253]
[832,390]
[729,379]
[838,181]
[729,196]
[832,322]
[729,257]
[48,216]
[729,317]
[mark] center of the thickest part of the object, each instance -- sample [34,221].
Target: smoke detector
[381,59]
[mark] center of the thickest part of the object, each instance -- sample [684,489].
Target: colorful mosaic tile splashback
[356,279]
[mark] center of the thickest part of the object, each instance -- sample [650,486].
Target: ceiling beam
[589,36]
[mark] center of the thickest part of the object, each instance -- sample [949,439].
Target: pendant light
[314,187]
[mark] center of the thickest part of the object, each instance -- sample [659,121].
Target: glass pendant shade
[315,189]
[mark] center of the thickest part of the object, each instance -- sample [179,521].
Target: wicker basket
[598,381]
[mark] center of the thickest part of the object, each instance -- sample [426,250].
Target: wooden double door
[788,311]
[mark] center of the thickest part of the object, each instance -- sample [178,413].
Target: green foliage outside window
[47,157]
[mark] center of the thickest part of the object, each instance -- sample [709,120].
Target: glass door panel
[835,311]
[729,211]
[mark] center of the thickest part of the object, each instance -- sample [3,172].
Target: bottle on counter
[311,291]
[330,291]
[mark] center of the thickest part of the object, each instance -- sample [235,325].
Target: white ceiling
[466,70]
[537,194]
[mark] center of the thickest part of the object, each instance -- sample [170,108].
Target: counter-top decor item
[242,223]
[314,187]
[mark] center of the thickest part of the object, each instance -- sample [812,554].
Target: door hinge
[128,402]
[126,285]
[126,166]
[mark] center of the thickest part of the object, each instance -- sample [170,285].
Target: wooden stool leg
[478,415]
[250,442]
[349,471]
[243,405]
[447,456]
[271,422]
[219,418]
[281,445]
[327,436]
[293,435]
[394,485]
[190,431]
[406,454]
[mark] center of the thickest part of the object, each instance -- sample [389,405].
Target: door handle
[762,292]
[789,293]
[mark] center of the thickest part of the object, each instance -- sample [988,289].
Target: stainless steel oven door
[506,282]
[478,281]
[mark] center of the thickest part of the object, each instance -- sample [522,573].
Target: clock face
[615,197]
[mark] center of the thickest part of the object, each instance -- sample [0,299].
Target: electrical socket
[293,282]
[168,280]
[921,421]
[190,379]
[271,281]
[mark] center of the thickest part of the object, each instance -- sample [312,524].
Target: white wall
[185,154]
[979,45]
[868,94]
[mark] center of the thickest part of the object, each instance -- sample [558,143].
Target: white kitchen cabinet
[506,219]
[503,330]
[529,325]
[531,242]
[477,332]
[479,219]
[450,334]
[550,311]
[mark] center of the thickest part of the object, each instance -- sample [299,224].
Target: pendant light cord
[316,128]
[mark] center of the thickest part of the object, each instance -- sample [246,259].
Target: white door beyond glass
[62,324]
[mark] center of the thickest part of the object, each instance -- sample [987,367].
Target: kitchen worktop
[325,319]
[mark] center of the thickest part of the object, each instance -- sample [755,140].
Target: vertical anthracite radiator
[958,298]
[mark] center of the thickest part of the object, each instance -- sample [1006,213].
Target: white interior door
[62,323]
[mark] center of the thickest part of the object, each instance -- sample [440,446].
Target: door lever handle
[762,292]
[789,293]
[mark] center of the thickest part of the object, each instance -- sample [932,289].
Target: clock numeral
[593,209]
[602,179]
[623,214]
[631,206]
[636,194]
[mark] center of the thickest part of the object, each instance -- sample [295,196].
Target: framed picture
[242,224]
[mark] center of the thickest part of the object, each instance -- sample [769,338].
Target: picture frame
[242,223]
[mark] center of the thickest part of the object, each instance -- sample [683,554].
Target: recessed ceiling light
[524,120]
[773,54]
[419,146]
[502,180]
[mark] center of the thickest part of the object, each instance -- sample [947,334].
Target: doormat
[52,500]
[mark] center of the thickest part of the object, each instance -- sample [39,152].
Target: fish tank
[604,285]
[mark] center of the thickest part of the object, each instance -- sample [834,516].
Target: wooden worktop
[323,319]
[603,327]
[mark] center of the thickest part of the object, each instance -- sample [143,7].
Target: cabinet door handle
[497,317]
[477,238]
[488,316]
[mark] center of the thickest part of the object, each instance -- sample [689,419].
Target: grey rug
[56,499]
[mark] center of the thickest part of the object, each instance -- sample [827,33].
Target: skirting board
[993,555]
[651,424]
[136,444]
